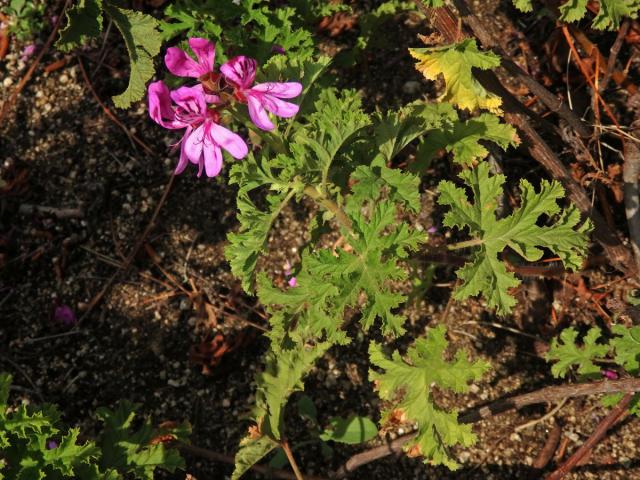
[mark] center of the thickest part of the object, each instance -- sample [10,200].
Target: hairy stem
[330,205]
[474,242]
[292,460]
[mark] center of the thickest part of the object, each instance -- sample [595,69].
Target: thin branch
[546,453]
[544,395]
[6,106]
[598,434]
[630,177]
[261,469]
[292,460]
[614,52]
[132,136]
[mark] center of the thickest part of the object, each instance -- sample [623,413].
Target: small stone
[226,403]
[64,78]
[411,87]
[7,82]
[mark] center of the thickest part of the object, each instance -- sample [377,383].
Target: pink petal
[194,143]
[258,114]
[190,99]
[205,51]
[160,109]
[212,160]
[231,142]
[293,281]
[181,64]
[279,89]
[240,71]
[279,107]
[184,160]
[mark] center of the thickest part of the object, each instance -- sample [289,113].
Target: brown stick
[544,395]
[613,53]
[28,209]
[132,137]
[597,435]
[221,458]
[27,76]
[631,177]
[546,453]
[619,255]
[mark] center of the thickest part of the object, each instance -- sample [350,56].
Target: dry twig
[598,434]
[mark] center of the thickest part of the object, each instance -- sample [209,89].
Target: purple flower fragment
[28,52]
[277,49]
[52,444]
[65,316]
[610,374]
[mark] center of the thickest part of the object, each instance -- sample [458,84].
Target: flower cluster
[197,109]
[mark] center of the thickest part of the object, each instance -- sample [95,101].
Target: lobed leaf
[408,384]
[84,21]
[143,41]
[485,274]
[567,354]
[462,138]
[455,63]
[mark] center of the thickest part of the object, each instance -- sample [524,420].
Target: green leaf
[455,63]
[336,122]
[612,11]
[567,354]
[370,180]
[143,41]
[408,384]
[69,454]
[133,451]
[370,266]
[284,370]
[395,130]
[485,274]
[84,21]
[251,451]
[352,431]
[573,10]
[626,345]
[523,5]
[463,138]
[5,383]
[306,408]
[246,246]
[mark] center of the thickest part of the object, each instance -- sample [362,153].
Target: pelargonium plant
[199,109]
[339,158]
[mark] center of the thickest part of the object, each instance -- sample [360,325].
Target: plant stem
[466,244]
[330,205]
[292,460]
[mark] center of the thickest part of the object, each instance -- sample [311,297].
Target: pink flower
[240,72]
[204,137]
[181,64]
[610,374]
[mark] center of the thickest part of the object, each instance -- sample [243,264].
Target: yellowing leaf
[455,63]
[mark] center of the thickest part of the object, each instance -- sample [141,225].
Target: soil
[150,338]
